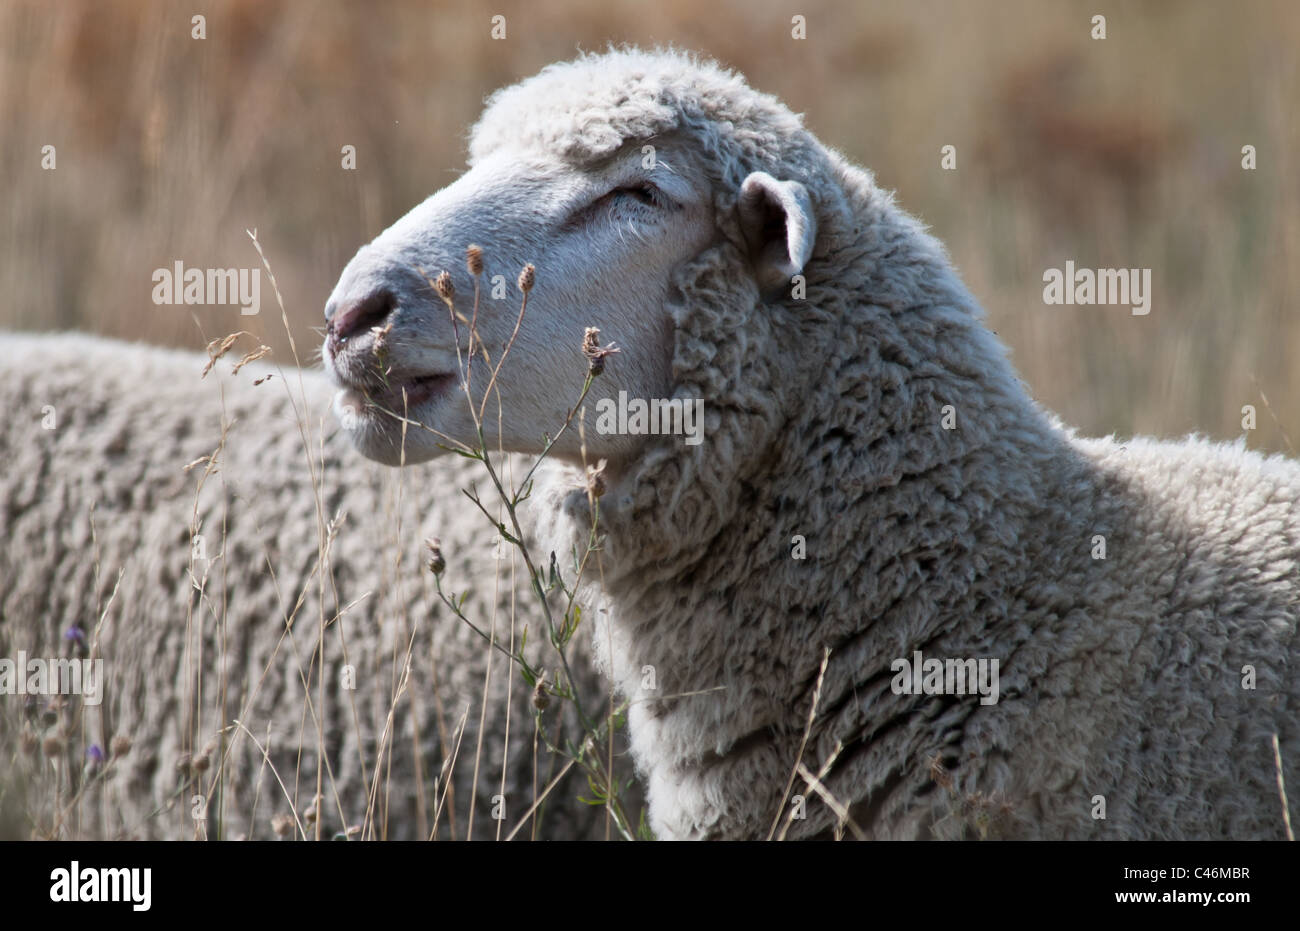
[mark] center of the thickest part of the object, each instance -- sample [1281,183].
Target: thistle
[474,260]
[445,289]
[595,353]
[541,697]
[436,561]
[596,478]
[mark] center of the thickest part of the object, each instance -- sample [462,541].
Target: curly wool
[1121,677]
[128,418]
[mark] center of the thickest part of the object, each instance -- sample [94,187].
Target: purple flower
[94,754]
[75,633]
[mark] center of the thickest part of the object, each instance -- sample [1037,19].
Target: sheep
[875,490]
[98,501]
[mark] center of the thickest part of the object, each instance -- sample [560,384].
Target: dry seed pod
[474,260]
[446,290]
[436,562]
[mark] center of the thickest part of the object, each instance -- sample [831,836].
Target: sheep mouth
[396,396]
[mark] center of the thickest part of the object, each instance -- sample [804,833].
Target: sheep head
[610,175]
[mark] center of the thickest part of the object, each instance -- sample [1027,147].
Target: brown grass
[1123,152]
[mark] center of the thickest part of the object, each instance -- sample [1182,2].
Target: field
[1021,140]
[1123,152]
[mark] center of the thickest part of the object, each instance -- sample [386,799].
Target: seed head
[527,277]
[541,697]
[30,742]
[53,745]
[184,765]
[474,260]
[595,353]
[596,478]
[436,561]
[120,746]
[446,290]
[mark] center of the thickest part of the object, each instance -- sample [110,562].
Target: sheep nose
[359,315]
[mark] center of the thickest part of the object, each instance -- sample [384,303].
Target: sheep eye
[643,192]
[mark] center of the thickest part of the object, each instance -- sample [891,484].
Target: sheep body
[1141,599]
[181,666]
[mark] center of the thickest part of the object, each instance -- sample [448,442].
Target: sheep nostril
[359,316]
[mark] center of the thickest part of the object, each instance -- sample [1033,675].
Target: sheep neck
[845,488]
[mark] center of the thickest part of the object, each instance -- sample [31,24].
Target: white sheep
[873,483]
[99,433]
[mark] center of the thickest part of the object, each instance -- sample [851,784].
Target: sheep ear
[777,222]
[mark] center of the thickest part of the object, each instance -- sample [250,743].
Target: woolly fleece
[1121,678]
[129,418]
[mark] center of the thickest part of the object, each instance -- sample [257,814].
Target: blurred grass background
[1117,153]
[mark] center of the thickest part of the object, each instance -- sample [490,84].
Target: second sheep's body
[202,630]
